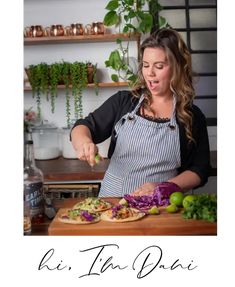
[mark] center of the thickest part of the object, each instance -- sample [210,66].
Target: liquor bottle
[33,185]
[27,217]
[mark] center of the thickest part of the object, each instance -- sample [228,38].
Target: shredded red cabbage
[115,210]
[88,216]
[159,197]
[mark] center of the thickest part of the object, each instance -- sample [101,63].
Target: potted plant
[55,75]
[92,75]
[134,18]
[44,79]
[38,76]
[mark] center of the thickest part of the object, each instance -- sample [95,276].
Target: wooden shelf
[82,38]
[101,85]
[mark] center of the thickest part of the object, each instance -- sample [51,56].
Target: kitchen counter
[71,170]
[162,224]
[74,170]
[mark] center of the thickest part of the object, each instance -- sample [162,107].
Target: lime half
[153,210]
[172,208]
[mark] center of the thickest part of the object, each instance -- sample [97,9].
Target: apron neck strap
[172,120]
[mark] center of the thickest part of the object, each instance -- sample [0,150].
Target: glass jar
[46,142]
[67,147]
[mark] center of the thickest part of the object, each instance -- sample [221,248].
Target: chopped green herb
[204,206]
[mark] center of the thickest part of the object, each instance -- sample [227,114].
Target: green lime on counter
[177,198]
[153,210]
[188,199]
[172,208]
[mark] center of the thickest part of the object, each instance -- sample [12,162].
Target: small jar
[46,142]
[67,147]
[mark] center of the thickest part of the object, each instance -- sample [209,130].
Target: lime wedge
[153,210]
[172,208]
[124,202]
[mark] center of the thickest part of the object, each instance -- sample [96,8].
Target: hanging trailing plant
[66,79]
[55,78]
[44,79]
[79,82]
[39,80]
[43,74]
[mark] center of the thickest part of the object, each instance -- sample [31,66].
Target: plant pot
[90,74]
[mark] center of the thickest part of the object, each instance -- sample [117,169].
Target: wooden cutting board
[162,224]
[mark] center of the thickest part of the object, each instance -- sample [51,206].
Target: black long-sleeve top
[195,156]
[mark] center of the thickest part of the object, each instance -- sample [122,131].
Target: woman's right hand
[87,151]
[82,142]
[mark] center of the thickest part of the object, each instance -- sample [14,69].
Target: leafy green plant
[66,79]
[79,81]
[44,79]
[134,19]
[39,79]
[55,77]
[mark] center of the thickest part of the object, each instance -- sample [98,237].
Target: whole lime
[188,199]
[172,208]
[177,198]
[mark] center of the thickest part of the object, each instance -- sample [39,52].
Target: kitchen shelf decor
[81,39]
[46,79]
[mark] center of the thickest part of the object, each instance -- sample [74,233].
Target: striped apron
[145,151]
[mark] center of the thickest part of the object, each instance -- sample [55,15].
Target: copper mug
[95,28]
[75,29]
[55,30]
[34,31]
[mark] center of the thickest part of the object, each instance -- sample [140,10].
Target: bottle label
[34,194]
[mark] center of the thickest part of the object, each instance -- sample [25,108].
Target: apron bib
[145,151]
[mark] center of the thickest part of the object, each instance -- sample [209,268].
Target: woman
[157,134]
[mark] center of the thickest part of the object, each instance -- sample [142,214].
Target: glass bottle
[27,217]
[33,185]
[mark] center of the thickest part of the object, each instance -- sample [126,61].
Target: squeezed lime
[97,158]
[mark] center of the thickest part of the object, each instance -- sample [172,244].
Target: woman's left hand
[145,189]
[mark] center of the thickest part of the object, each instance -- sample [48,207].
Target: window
[196,20]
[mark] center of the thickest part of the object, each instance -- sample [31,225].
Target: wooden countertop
[162,224]
[61,169]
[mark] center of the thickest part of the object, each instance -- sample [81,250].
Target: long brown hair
[181,83]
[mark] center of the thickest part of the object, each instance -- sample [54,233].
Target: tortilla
[93,204]
[123,214]
[76,216]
